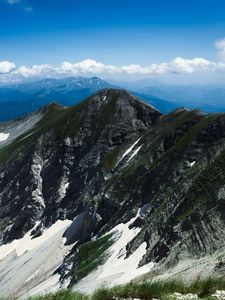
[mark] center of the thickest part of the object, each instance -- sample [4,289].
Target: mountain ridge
[124,185]
[24,98]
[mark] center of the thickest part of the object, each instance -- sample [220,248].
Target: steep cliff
[132,192]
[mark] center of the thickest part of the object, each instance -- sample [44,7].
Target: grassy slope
[164,128]
[91,254]
[54,119]
[64,122]
[57,118]
[146,290]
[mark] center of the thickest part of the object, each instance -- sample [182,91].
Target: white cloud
[34,71]
[179,65]
[6,67]
[162,68]
[220,45]
[86,67]
[92,67]
[132,69]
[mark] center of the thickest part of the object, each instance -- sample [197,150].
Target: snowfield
[3,136]
[20,246]
[9,131]
[35,260]
[117,269]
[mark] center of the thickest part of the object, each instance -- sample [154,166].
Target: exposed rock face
[99,162]
[61,164]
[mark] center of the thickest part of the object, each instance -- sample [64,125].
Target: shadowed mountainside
[136,185]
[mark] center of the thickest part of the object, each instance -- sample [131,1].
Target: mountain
[21,99]
[50,87]
[109,191]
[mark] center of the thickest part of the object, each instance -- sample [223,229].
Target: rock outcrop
[100,162]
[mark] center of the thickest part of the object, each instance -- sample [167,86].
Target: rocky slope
[110,190]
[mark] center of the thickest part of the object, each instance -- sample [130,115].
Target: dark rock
[71,165]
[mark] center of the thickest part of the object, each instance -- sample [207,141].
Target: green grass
[64,122]
[62,295]
[91,255]
[111,158]
[193,122]
[107,113]
[203,191]
[147,290]
[202,124]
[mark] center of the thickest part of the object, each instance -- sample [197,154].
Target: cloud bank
[220,45]
[6,67]
[10,73]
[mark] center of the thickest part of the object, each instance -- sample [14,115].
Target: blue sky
[119,32]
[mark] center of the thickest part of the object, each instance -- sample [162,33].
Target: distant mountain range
[21,99]
[52,89]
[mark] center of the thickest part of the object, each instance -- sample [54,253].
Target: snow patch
[117,269]
[49,285]
[125,269]
[63,187]
[17,128]
[33,275]
[35,260]
[135,152]
[20,246]
[3,136]
[191,164]
[128,151]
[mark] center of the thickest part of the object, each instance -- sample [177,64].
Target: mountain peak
[110,160]
[97,116]
[118,105]
[27,97]
[120,96]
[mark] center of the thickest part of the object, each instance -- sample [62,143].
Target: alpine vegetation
[112,194]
